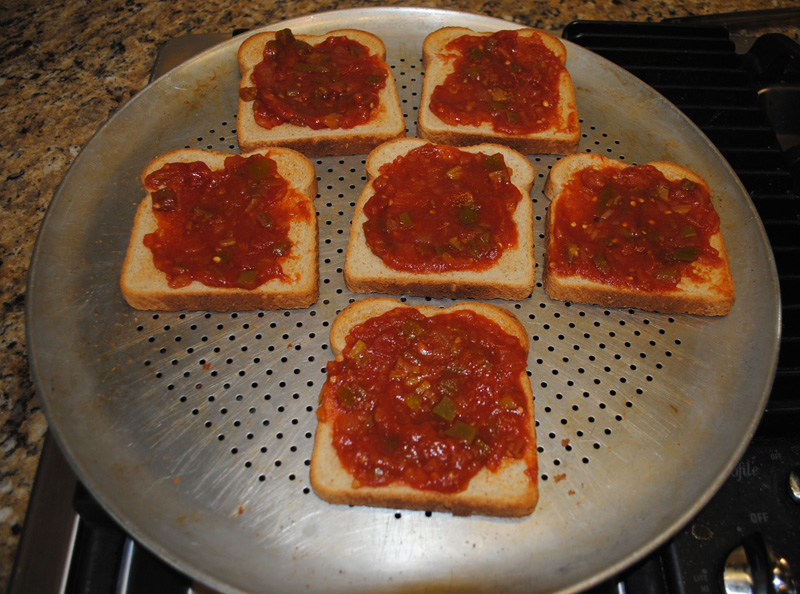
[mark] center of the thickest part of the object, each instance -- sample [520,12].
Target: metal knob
[794,484]
[753,568]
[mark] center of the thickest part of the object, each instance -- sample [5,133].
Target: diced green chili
[414,401]
[446,409]
[667,273]
[455,172]
[165,200]
[264,219]
[468,214]
[601,262]
[462,430]
[282,248]
[412,329]
[257,168]
[476,53]
[686,254]
[247,277]
[350,396]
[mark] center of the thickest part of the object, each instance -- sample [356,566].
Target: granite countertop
[67,66]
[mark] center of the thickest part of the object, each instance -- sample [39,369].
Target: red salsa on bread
[508,80]
[438,208]
[334,84]
[633,228]
[223,228]
[427,401]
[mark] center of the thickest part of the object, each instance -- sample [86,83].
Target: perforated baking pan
[195,429]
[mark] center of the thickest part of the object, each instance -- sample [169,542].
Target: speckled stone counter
[67,66]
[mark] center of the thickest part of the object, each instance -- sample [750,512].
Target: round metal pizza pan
[195,430]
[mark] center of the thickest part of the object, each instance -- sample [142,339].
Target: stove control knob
[752,568]
[794,484]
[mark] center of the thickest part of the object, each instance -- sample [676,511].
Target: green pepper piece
[689,231]
[508,403]
[414,401]
[284,36]
[686,254]
[346,396]
[608,197]
[247,278]
[258,167]
[472,73]
[468,214]
[264,219]
[500,176]
[350,396]
[374,80]
[667,273]
[455,172]
[601,262]
[165,200]
[475,53]
[405,219]
[359,351]
[281,248]
[462,430]
[412,329]
[446,409]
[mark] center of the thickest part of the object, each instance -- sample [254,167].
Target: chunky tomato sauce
[427,401]
[633,228]
[438,209]
[224,228]
[334,84]
[508,80]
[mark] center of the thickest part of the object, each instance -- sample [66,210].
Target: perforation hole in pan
[252,379]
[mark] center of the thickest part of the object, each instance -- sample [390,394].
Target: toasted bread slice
[386,122]
[146,287]
[511,490]
[706,288]
[512,276]
[561,137]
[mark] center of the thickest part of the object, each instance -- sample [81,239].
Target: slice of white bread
[146,287]
[511,490]
[511,277]
[561,138]
[709,291]
[386,123]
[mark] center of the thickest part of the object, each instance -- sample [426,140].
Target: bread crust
[511,277]
[145,287]
[714,295]
[562,139]
[511,491]
[387,121]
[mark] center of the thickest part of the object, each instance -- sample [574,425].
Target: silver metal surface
[51,525]
[195,430]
